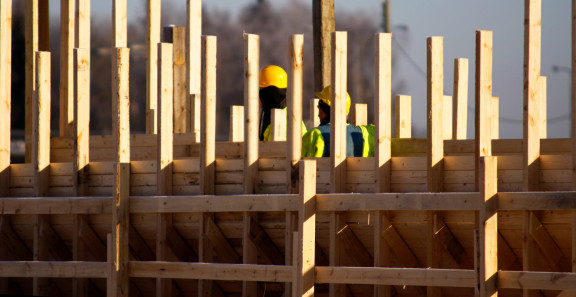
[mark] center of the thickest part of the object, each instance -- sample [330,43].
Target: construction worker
[316,142]
[273,84]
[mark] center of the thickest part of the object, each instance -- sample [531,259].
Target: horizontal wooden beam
[536,280]
[396,276]
[398,201]
[213,271]
[536,201]
[71,269]
[76,205]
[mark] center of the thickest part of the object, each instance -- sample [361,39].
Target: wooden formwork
[175,213]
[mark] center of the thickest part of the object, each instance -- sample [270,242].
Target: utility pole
[386,16]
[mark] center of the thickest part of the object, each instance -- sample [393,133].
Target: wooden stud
[447,117]
[314,119]
[153,32]
[303,285]
[381,251]
[483,99]
[208,131]
[338,113]
[193,61]
[435,152]
[495,123]
[5,95]
[323,26]
[291,246]
[294,113]
[360,115]
[181,103]
[249,254]
[542,89]
[278,125]
[433,250]
[41,120]
[335,251]
[270,252]
[81,124]
[383,111]
[120,24]
[67,42]
[573,120]
[205,250]
[532,96]
[82,33]
[163,221]
[403,115]
[251,70]
[31,32]
[236,123]
[121,227]
[460,111]
[529,251]
[550,249]
[165,143]
[43,25]
[121,104]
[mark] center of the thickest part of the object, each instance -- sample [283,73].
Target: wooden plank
[82,33]
[67,42]
[453,246]
[43,25]
[120,231]
[220,203]
[278,125]
[153,12]
[335,250]
[542,90]
[206,250]
[314,119]
[249,253]
[120,105]
[359,114]
[447,117]
[41,122]
[573,120]
[182,110]
[165,154]
[323,24]
[487,256]
[193,61]
[120,24]
[12,243]
[82,120]
[232,272]
[303,283]
[383,108]
[398,244]
[532,96]
[251,151]
[236,123]
[403,115]
[396,276]
[382,250]
[495,123]
[294,113]
[338,112]
[163,222]
[433,249]
[460,111]
[536,280]
[550,249]
[291,247]
[5,93]
[483,101]
[266,246]
[54,269]
[31,46]
[435,89]
[208,115]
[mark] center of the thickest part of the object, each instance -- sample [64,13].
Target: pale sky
[456,21]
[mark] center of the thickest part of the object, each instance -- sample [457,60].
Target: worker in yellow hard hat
[273,84]
[316,142]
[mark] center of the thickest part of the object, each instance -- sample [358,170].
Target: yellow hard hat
[273,75]
[325,97]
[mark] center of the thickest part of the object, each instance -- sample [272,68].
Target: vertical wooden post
[323,25]
[41,131]
[573,119]
[403,114]
[338,113]
[304,282]
[82,120]
[165,148]
[542,89]
[383,110]
[335,252]
[208,131]
[460,111]
[314,119]
[483,100]
[236,123]
[43,25]
[67,42]
[447,117]
[435,152]
[495,128]
[532,98]
[193,33]
[181,102]
[360,115]
[251,69]
[487,250]
[31,32]
[82,32]
[153,32]
[381,251]
[278,125]
[205,253]
[120,281]
[120,24]
[249,254]
[294,112]
[5,95]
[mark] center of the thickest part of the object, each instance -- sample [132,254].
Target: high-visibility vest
[359,141]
